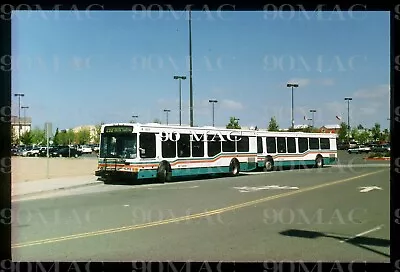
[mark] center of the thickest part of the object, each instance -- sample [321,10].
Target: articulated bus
[164,151]
[282,149]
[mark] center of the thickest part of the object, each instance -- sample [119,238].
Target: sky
[84,68]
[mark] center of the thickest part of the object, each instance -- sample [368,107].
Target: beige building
[21,125]
[91,128]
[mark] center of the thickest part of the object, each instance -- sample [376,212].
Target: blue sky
[86,68]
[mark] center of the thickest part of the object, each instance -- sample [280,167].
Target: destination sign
[118,129]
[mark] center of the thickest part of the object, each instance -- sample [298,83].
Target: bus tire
[319,161]
[268,164]
[234,167]
[164,172]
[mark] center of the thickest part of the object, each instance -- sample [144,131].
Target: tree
[156,120]
[26,138]
[56,138]
[360,126]
[376,131]
[342,134]
[233,123]
[354,133]
[14,138]
[38,136]
[273,124]
[363,137]
[82,136]
[96,137]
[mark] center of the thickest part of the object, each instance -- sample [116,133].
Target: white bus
[143,151]
[282,149]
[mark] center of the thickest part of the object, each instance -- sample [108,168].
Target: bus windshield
[118,146]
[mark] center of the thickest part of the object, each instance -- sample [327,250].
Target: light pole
[19,113]
[312,112]
[190,69]
[167,111]
[348,99]
[292,85]
[25,108]
[213,101]
[134,117]
[180,96]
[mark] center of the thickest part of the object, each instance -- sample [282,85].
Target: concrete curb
[378,159]
[58,189]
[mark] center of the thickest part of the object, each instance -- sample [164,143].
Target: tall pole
[19,95]
[190,69]
[167,111]
[348,99]
[213,101]
[180,96]
[292,85]
[24,108]
[312,112]
[134,118]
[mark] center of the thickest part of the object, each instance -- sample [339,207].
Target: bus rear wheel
[268,164]
[164,172]
[319,162]
[234,167]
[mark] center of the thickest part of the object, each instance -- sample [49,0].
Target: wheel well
[269,158]
[168,165]
[319,156]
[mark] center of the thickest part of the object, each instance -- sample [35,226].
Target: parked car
[34,152]
[359,149]
[381,148]
[66,152]
[85,149]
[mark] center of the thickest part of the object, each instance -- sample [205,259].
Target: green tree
[56,138]
[26,138]
[82,136]
[233,123]
[156,120]
[38,136]
[354,133]
[96,137]
[363,137]
[376,131]
[360,126]
[273,124]
[14,138]
[342,134]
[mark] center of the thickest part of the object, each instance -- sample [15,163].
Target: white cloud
[326,82]
[373,92]
[231,105]
[301,81]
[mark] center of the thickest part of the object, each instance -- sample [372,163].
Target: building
[24,124]
[330,129]
[92,130]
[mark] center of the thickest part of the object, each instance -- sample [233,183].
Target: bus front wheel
[164,172]
[269,164]
[234,167]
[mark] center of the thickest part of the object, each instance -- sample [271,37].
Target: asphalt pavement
[306,214]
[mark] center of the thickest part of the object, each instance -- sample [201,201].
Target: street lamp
[190,69]
[213,101]
[180,96]
[292,85]
[312,112]
[167,111]
[25,108]
[348,99]
[134,117]
[19,113]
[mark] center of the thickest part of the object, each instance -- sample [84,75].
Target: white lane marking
[126,205]
[362,233]
[247,189]
[173,188]
[366,189]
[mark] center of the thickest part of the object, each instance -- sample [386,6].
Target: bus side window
[168,149]
[259,145]
[243,144]
[214,145]
[281,144]
[147,145]
[184,146]
[271,145]
[291,145]
[325,144]
[197,145]
[228,145]
[303,145]
[314,143]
